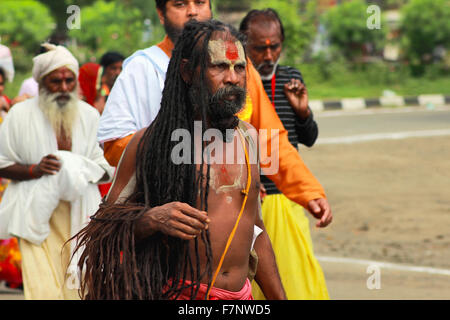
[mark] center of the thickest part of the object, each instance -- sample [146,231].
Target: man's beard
[172,31]
[221,112]
[61,113]
[265,64]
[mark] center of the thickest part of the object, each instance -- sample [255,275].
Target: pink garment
[29,86]
[220,294]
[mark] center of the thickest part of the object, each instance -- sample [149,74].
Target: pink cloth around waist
[219,294]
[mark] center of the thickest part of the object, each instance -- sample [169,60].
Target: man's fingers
[47,170]
[320,209]
[179,234]
[185,229]
[301,88]
[295,86]
[180,220]
[50,165]
[190,221]
[193,212]
[325,215]
[314,207]
[323,222]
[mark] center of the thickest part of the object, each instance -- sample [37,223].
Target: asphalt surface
[339,124]
[386,173]
[353,281]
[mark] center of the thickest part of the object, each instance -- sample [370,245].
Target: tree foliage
[231,5]
[107,26]
[425,26]
[58,11]
[347,28]
[299,27]
[25,23]
[148,11]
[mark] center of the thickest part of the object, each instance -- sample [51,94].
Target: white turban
[55,58]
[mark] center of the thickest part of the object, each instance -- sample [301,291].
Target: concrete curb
[352,104]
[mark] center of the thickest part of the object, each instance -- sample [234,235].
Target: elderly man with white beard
[48,149]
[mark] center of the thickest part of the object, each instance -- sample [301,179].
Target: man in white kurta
[135,99]
[54,170]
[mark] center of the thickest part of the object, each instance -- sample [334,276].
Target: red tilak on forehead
[232,51]
[268,42]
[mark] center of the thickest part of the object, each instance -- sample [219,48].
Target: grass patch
[335,80]
[12,88]
[409,87]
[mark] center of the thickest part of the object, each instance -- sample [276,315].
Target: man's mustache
[265,64]
[62,99]
[228,91]
[62,95]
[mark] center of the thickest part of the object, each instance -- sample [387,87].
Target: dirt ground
[390,200]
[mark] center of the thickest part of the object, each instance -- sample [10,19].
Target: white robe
[25,137]
[135,98]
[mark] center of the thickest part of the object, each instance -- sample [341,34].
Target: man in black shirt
[285,221]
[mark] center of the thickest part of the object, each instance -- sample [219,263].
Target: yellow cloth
[44,267]
[288,229]
[246,113]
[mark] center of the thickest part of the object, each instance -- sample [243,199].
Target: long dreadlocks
[114,266]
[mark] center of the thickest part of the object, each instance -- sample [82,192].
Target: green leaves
[107,26]
[298,26]
[347,28]
[425,25]
[25,23]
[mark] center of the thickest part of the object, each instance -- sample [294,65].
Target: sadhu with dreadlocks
[173,229]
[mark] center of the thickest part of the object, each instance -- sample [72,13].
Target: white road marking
[369,111]
[386,265]
[383,136]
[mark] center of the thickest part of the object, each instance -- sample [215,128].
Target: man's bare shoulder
[127,167]
[131,149]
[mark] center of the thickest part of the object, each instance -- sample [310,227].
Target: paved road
[375,198]
[9,294]
[354,281]
[343,123]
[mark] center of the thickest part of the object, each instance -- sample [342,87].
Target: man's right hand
[175,219]
[49,164]
[321,210]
